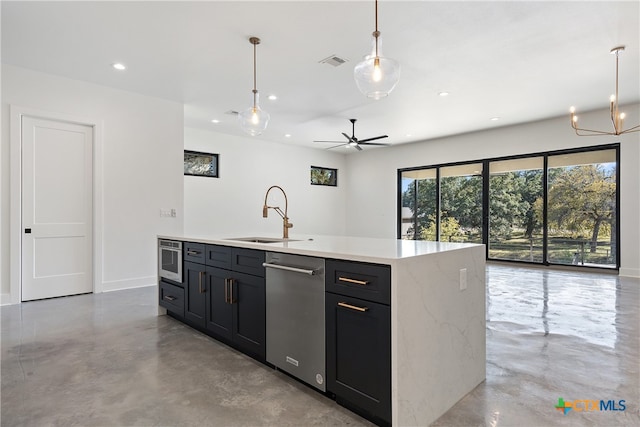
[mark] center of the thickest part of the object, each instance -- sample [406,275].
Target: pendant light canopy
[376,76]
[254,120]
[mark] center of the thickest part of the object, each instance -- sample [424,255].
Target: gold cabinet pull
[231,300]
[169,298]
[226,291]
[357,282]
[353,307]
[193,253]
[202,291]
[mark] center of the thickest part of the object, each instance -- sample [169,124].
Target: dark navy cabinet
[195,288]
[224,295]
[171,297]
[236,309]
[358,334]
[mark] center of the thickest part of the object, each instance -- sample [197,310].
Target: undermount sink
[261,239]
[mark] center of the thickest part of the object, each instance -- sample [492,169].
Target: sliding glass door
[461,203]
[581,208]
[515,209]
[545,208]
[419,202]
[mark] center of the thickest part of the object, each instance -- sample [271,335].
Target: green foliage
[581,205]
[512,204]
[420,197]
[449,231]
[581,202]
[460,207]
[323,176]
[461,198]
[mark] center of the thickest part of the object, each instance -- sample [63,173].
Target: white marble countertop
[377,250]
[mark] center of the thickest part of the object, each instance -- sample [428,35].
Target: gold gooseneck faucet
[265,211]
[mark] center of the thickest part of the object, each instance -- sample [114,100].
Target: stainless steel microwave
[170,260]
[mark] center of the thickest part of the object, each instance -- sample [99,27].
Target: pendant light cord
[376,33]
[254,41]
[254,67]
[617,52]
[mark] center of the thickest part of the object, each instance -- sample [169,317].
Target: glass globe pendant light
[254,120]
[376,76]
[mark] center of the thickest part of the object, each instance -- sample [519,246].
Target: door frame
[15,182]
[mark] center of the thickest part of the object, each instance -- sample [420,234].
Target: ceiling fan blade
[375,143]
[373,139]
[336,146]
[329,141]
[348,137]
[358,147]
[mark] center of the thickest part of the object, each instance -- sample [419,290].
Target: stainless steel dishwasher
[295,316]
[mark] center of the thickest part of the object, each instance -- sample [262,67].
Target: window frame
[485,200]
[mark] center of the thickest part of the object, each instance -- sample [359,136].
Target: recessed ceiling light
[443,94]
[495,119]
[287,135]
[215,121]
[407,135]
[272,97]
[119,66]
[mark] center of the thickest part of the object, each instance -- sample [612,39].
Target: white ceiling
[517,60]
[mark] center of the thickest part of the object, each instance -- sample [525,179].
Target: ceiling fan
[355,142]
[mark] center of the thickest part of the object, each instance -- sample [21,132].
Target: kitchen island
[437,311]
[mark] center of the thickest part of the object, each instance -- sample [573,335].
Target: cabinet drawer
[193,252]
[172,298]
[371,282]
[218,256]
[247,261]
[359,355]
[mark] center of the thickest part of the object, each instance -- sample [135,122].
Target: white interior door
[57,208]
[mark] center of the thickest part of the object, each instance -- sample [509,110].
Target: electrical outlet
[463,279]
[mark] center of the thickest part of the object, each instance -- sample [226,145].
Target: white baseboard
[629,272]
[5,299]
[138,282]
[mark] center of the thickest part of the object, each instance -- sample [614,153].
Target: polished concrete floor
[108,360]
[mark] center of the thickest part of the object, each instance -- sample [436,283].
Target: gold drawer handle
[353,307]
[169,298]
[201,288]
[193,253]
[228,291]
[357,282]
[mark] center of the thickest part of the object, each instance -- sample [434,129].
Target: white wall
[143,139]
[231,206]
[142,143]
[372,174]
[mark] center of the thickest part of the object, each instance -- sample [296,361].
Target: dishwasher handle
[289,268]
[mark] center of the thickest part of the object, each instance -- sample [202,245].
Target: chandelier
[617,117]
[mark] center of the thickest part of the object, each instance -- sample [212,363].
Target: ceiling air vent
[333,60]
